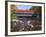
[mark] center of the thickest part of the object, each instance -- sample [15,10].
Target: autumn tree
[13,12]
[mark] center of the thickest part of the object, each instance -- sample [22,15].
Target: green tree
[37,8]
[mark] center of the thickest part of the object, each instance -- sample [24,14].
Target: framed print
[24,18]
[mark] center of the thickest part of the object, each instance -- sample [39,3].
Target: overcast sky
[23,7]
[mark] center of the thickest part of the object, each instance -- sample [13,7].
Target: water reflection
[26,24]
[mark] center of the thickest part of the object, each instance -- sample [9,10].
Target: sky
[23,7]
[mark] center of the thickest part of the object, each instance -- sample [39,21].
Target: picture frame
[9,32]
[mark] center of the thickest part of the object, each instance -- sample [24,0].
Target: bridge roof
[24,11]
